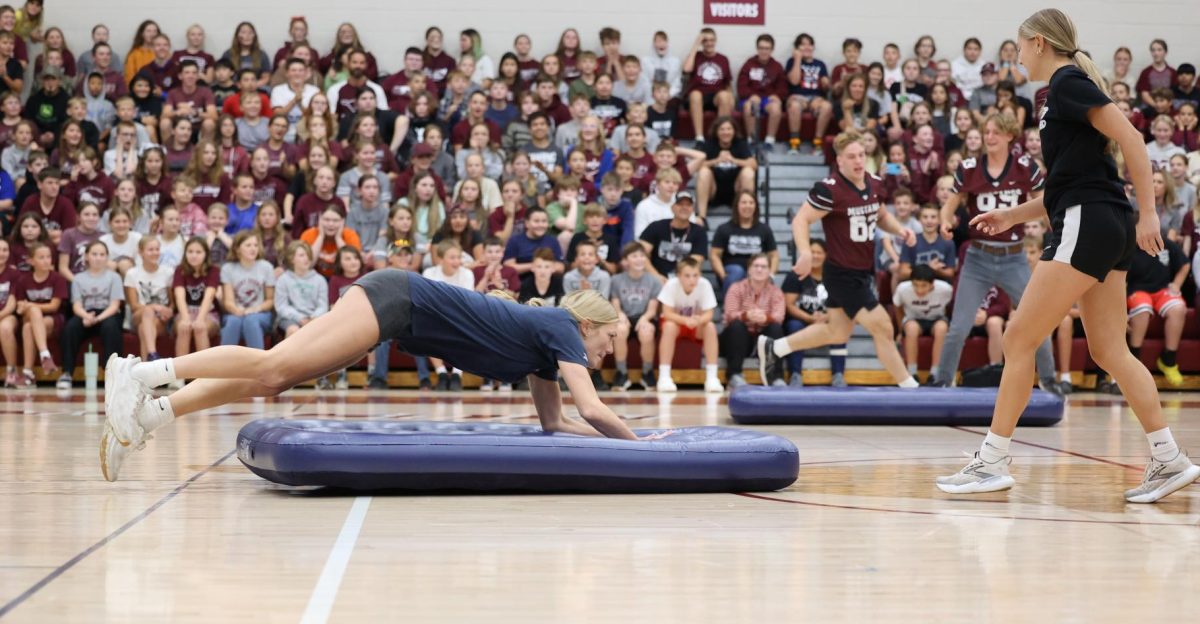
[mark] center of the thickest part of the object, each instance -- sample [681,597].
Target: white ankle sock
[909,384]
[156,373]
[664,372]
[699,138]
[994,448]
[441,370]
[155,413]
[43,354]
[782,348]
[1065,377]
[710,371]
[1162,444]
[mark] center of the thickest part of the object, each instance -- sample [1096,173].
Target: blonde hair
[1169,196]
[582,305]
[1005,123]
[845,139]
[1059,32]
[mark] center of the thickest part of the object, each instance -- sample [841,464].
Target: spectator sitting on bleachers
[301,294]
[921,305]
[804,301]
[73,246]
[729,167]
[39,294]
[521,249]
[275,239]
[688,303]
[931,249]
[668,241]
[544,278]
[96,300]
[710,86]
[635,295]
[753,307]
[762,85]
[248,284]
[1154,286]
[594,230]
[195,286]
[148,293]
[169,238]
[660,66]
[738,240]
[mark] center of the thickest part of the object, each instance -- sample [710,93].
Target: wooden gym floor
[188,535]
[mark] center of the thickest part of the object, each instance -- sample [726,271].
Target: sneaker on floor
[1051,386]
[443,382]
[1163,478]
[977,477]
[1107,386]
[122,396]
[794,147]
[779,382]
[64,382]
[768,362]
[486,385]
[712,385]
[1066,387]
[504,387]
[839,380]
[620,381]
[455,382]
[113,452]
[324,384]
[649,380]
[797,380]
[48,366]
[1174,377]
[598,381]
[736,381]
[26,380]
[342,383]
[11,380]
[666,384]
[376,383]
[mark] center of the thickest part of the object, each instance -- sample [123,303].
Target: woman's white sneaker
[1163,478]
[977,477]
[122,396]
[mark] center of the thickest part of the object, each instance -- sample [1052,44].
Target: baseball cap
[684,196]
[988,68]
[421,149]
[399,245]
[1186,68]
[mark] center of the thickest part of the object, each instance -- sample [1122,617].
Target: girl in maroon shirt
[212,185]
[234,159]
[194,289]
[39,295]
[154,186]
[8,318]
[568,54]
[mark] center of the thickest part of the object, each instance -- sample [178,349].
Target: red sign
[738,12]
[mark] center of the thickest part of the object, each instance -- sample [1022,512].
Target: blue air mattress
[386,455]
[889,405]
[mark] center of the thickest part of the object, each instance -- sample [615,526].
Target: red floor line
[917,512]
[1058,450]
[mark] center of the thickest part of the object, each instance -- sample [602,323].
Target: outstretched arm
[547,400]
[590,407]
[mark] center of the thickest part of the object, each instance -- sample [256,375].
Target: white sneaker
[504,387]
[64,382]
[113,453]
[1163,478]
[486,386]
[122,397]
[666,384]
[713,386]
[978,476]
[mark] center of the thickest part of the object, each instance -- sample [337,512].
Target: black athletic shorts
[849,289]
[926,325]
[387,290]
[1093,238]
[710,101]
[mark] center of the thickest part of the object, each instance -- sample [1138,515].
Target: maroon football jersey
[850,224]
[1021,176]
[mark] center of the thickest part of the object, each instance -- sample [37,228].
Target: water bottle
[91,368]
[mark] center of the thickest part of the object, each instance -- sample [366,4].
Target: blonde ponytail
[1059,32]
[583,305]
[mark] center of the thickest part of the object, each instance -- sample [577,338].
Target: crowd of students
[169,192]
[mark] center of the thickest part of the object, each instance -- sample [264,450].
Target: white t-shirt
[700,300]
[650,210]
[172,252]
[966,74]
[127,249]
[282,95]
[151,287]
[464,278]
[928,308]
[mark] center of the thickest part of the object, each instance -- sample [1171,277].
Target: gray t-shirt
[367,223]
[635,294]
[250,136]
[348,187]
[598,280]
[96,292]
[301,297]
[249,284]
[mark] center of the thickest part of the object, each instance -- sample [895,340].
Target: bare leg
[706,187]
[1103,312]
[795,110]
[912,335]
[621,346]
[696,110]
[774,116]
[724,102]
[1138,324]
[712,344]
[646,343]
[1173,329]
[879,324]
[8,339]
[939,337]
[1053,289]
[329,343]
[183,336]
[1064,339]
[836,331]
[666,346]
[749,119]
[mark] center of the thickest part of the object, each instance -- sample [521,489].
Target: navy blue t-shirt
[925,252]
[488,336]
[521,248]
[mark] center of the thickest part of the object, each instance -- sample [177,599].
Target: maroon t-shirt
[438,69]
[497,218]
[202,59]
[194,287]
[338,285]
[1020,177]
[1189,229]
[74,243]
[528,71]
[19,256]
[153,196]
[1151,79]
[850,224]
[33,291]
[462,131]
[843,70]
[269,188]
[163,76]
[557,111]
[206,193]
[570,66]
[399,94]
[177,160]
[644,171]
[276,156]
[512,279]
[60,217]
[763,80]
[98,190]
[8,283]
[200,99]
[307,211]
[711,74]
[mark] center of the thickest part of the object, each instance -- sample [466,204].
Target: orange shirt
[327,258]
[137,59]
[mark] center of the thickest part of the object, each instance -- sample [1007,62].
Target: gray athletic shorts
[387,290]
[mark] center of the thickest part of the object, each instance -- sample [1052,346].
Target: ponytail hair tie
[1072,53]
